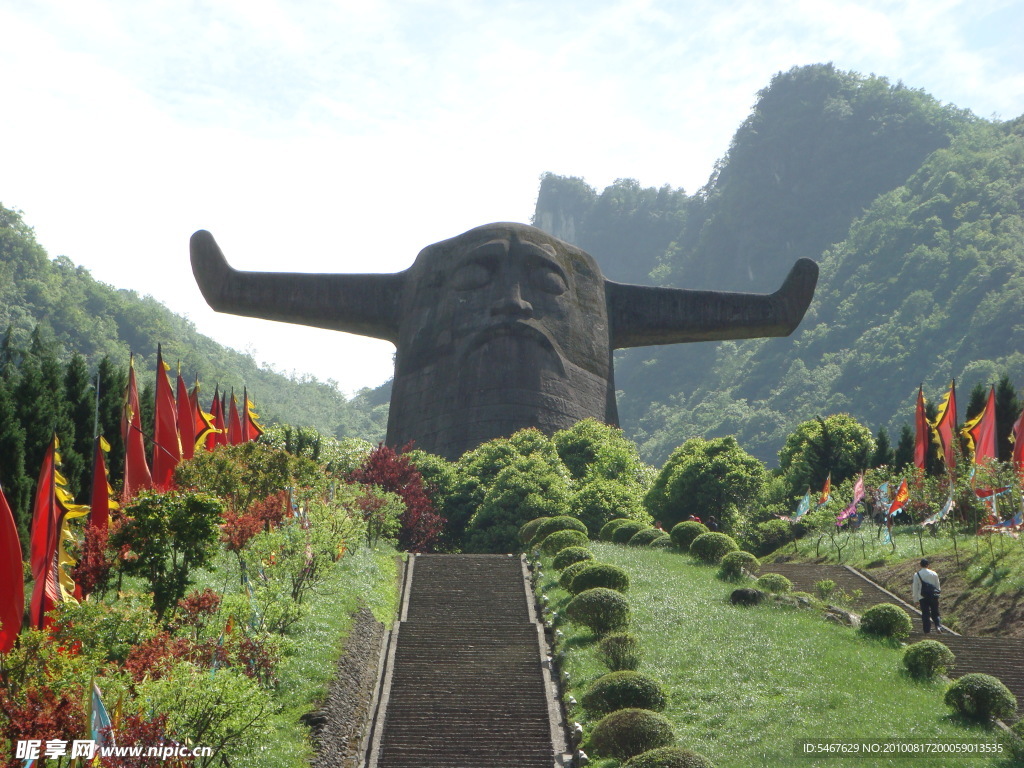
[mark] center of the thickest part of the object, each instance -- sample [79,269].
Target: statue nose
[512,304]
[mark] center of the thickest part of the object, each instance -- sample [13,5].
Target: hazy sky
[345,135]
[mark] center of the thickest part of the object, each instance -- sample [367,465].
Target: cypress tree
[113,380]
[884,454]
[80,395]
[904,454]
[16,484]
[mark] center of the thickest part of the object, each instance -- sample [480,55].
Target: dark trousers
[930,612]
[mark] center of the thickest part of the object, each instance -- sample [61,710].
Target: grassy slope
[362,577]
[746,683]
[982,577]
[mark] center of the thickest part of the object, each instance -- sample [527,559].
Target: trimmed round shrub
[668,757]
[629,732]
[529,530]
[685,532]
[569,572]
[644,537]
[662,542]
[600,575]
[620,651]
[627,530]
[886,620]
[571,555]
[734,563]
[600,610]
[980,697]
[549,525]
[559,540]
[928,658]
[608,529]
[623,690]
[775,583]
[711,547]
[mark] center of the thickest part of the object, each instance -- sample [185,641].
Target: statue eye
[471,276]
[548,279]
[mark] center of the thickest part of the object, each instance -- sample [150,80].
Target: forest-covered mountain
[913,210]
[79,314]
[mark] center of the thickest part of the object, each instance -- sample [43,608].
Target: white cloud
[344,136]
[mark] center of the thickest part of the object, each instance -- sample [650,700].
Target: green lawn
[745,684]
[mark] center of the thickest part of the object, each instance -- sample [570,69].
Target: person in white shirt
[925,587]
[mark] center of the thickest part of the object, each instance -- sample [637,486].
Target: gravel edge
[337,727]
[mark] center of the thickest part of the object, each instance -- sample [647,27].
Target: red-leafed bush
[421,525]
[155,656]
[136,730]
[195,609]
[270,510]
[237,529]
[252,656]
[93,570]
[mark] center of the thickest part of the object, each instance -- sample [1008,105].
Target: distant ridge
[913,210]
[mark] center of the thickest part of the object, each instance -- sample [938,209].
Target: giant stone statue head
[500,328]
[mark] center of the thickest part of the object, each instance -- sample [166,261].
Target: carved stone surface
[500,328]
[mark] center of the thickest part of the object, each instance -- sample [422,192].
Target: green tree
[113,381]
[706,477]
[527,488]
[80,394]
[164,537]
[478,470]
[247,473]
[904,453]
[43,408]
[15,483]
[591,449]
[598,500]
[883,455]
[836,445]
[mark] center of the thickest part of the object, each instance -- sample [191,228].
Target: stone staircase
[1002,657]
[465,685]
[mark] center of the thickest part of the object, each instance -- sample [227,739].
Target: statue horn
[640,316]
[363,304]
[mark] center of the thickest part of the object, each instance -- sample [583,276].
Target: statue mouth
[516,331]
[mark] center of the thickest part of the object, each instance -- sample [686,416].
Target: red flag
[220,437]
[102,494]
[1018,444]
[922,432]
[45,516]
[234,423]
[186,421]
[166,445]
[826,491]
[251,429]
[53,508]
[900,500]
[136,470]
[202,422]
[981,431]
[945,427]
[12,581]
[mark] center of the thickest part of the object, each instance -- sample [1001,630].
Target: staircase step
[467,685]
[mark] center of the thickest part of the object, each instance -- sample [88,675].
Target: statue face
[505,292]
